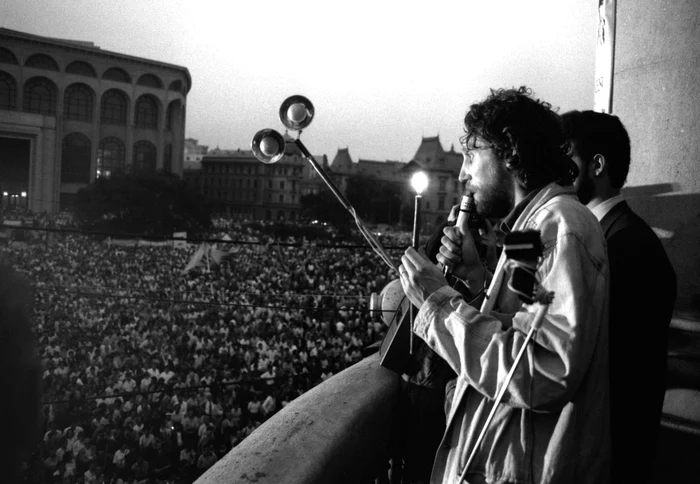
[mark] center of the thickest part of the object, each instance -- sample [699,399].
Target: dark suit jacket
[642,296]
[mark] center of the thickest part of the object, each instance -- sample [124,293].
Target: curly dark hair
[526,133]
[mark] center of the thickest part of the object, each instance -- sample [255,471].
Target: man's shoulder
[623,221]
[563,214]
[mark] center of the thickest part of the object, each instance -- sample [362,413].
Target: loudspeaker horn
[296,112]
[268,146]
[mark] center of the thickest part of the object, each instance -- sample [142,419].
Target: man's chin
[494,210]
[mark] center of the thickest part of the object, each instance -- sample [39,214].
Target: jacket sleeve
[481,348]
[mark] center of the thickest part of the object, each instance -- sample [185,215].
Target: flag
[211,254]
[218,256]
[196,260]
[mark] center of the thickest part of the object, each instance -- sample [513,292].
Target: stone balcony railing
[337,432]
[340,431]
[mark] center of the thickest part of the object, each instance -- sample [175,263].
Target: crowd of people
[151,373]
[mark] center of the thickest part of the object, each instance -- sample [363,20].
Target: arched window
[280,215]
[150,80]
[168,158]
[78,102]
[175,86]
[111,156]
[144,156]
[75,159]
[81,68]
[116,74]
[8,92]
[146,114]
[40,96]
[7,57]
[113,107]
[41,61]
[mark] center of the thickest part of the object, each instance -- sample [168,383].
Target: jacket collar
[543,196]
[507,224]
[611,217]
[540,198]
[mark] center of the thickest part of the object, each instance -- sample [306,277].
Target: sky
[381,74]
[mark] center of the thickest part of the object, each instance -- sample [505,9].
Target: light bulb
[419,182]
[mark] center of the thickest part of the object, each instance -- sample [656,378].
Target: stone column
[656,94]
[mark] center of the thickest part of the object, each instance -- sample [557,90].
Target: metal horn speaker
[268,146]
[296,112]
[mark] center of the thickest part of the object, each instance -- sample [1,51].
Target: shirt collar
[602,209]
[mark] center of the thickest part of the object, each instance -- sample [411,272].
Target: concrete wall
[337,432]
[656,94]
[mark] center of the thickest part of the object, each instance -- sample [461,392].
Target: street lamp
[419,182]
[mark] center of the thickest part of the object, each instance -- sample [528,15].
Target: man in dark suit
[642,292]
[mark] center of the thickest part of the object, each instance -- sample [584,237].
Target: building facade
[71,112]
[241,186]
[441,166]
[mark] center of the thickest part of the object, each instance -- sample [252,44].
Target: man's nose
[464,175]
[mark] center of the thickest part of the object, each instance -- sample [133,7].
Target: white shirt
[602,209]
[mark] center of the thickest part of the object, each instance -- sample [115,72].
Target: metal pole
[414,244]
[539,316]
[323,175]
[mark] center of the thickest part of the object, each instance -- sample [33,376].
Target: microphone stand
[546,299]
[374,243]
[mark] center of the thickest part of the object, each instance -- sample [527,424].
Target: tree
[154,204]
[376,201]
[324,207]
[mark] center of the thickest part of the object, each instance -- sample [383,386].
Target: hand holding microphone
[462,247]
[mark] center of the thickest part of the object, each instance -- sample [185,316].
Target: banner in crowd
[196,260]
[139,242]
[207,255]
[605,57]
[180,241]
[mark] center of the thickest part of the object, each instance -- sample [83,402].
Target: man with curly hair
[552,425]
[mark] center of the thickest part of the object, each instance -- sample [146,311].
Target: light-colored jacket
[553,423]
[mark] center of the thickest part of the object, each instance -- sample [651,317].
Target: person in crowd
[552,425]
[133,356]
[639,271]
[20,375]
[207,459]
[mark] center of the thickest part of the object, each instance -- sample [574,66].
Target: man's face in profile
[486,176]
[584,183]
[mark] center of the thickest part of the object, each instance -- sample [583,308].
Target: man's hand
[460,254]
[419,277]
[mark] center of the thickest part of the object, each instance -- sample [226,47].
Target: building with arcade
[71,111]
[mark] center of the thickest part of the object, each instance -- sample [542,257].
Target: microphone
[469,220]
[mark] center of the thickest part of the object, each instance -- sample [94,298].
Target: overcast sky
[380,73]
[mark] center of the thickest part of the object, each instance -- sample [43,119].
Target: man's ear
[598,165]
[514,158]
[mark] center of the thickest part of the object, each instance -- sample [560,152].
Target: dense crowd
[152,374]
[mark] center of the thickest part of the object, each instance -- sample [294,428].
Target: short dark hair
[599,133]
[526,133]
